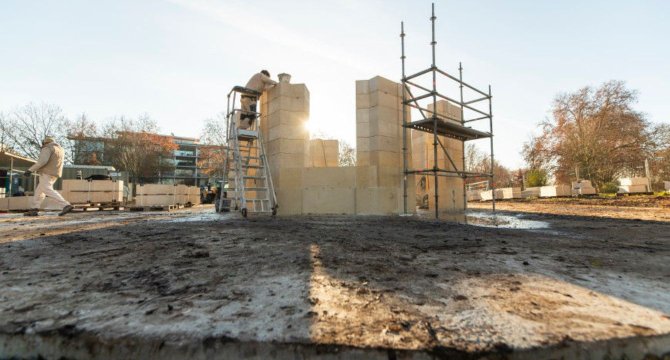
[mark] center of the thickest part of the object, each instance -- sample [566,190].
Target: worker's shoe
[32,212]
[66,210]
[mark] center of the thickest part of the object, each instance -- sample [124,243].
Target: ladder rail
[239,162]
[272,196]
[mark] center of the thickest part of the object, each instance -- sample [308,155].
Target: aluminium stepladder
[247,182]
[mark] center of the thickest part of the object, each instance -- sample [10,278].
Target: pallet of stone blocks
[166,195]
[22,203]
[511,193]
[635,185]
[556,191]
[92,191]
[583,187]
[488,195]
[474,195]
[530,192]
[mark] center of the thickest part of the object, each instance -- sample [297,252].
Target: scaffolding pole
[439,124]
[404,119]
[493,184]
[435,167]
[460,80]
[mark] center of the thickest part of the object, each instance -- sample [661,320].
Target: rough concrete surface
[194,284]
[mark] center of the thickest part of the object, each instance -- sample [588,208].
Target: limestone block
[389,176]
[291,91]
[667,185]
[291,103]
[474,195]
[531,192]
[452,112]
[76,185]
[285,146]
[385,143]
[634,181]
[323,153]
[362,101]
[15,203]
[286,117]
[20,202]
[289,201]
[450,194]
[329,200]
[107,185]
[362,86]
[379,83]
[154,189]
[366,176]
[385,121]
[632,189]
[386,158]
[194,199]
[76,197]
[288,178]
[155,200]
[363,144]
[288,132]
[511,193]
[555,190]
[378,201]
[284,160]
[363,158]
[379,98]
[362,127]
[488,195]
[584,191]
[334,177]
[583,187]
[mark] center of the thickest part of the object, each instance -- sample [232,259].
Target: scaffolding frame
[443,124]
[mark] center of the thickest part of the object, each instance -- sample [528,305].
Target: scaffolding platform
[448,129]
[475,105]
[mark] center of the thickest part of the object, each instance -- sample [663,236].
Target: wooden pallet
[98,206]
[634,194]
[156,208]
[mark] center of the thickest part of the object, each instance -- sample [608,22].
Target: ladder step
[251,189]
[253,177]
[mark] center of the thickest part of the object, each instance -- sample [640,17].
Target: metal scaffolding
[443,124]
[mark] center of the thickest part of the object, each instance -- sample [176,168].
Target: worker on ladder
[259,83]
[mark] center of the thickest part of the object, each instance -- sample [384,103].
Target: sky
[177,59]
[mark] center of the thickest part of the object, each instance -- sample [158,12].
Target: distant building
[181,168]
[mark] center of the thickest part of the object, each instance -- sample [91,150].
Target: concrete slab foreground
[332,287]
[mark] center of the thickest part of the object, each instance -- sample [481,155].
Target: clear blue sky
[177,59]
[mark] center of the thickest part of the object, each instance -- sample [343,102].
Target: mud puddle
[504,221]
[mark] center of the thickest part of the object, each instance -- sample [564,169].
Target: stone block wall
[285,110]
[309,182]
[450,189]
[324,153]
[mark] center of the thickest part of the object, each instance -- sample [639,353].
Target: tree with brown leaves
[596,131]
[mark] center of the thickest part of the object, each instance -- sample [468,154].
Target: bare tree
[135,147]
[25,128]
[659,160]
[82,127]
[479,162]
[214,131]
[213,152]
[4,134]
[347,154]
[594,130]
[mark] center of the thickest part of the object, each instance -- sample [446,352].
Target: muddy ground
[640,207]
[200,285]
